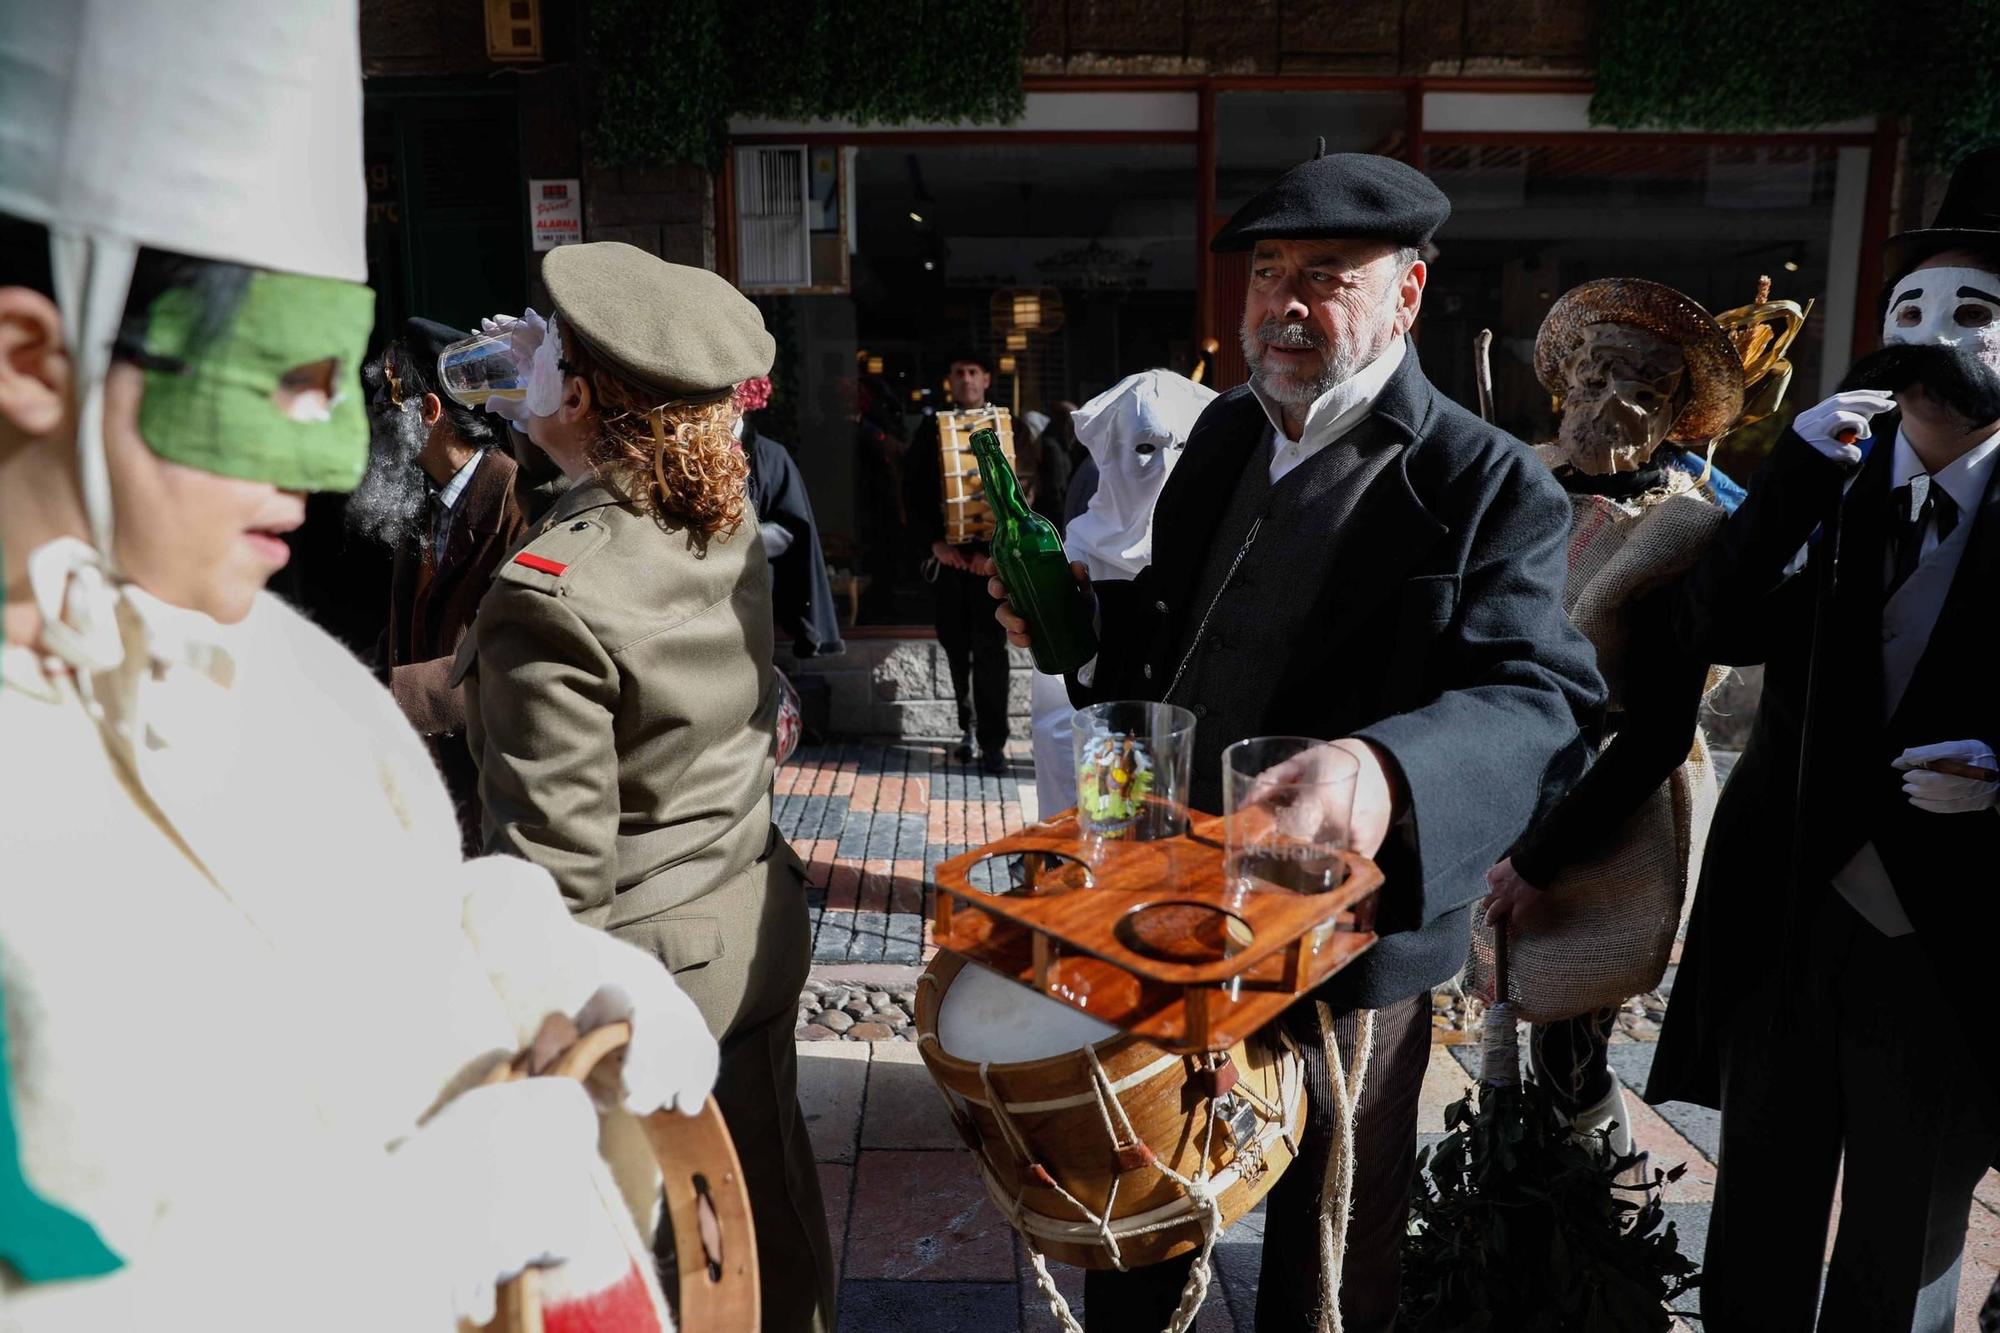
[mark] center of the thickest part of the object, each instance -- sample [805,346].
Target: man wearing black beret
[1343,553]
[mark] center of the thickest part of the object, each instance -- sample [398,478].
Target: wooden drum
[1103,1150]
[967,516]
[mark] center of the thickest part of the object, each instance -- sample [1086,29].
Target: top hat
[1969,215]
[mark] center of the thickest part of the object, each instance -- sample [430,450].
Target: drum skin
[1163,1096]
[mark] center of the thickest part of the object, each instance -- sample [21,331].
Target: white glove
[672,1060]
[527,335]
[1821,424]
[505,1176]
[1948,793]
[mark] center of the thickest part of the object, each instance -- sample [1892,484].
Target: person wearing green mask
[250,989]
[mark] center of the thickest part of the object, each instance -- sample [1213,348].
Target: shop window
[791,218]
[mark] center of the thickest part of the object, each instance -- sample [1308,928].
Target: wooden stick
[1482,372]
[1962,770]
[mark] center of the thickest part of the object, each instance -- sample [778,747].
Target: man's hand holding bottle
[1010,620]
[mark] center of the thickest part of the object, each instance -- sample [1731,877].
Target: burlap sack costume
[1614,917]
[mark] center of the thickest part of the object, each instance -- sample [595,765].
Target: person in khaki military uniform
[620,698]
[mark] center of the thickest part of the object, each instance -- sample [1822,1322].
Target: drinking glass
[1285,824]
[483,366]
[1133,765]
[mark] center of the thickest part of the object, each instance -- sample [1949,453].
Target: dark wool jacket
[1435,630]
[1749,602]
[431,605]
[801,594]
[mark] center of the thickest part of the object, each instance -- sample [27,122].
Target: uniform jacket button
[1159,606]
[1201,710]
[1149,671]
[579,526]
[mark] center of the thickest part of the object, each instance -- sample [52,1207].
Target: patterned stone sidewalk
[920,1248]
[872,820]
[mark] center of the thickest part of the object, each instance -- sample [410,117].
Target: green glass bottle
[1034,567]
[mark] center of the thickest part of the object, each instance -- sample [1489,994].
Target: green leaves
[1726,66]
[672,72]
[1516,1226]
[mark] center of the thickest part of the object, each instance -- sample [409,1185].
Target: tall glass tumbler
[1133,765]
[1286,814]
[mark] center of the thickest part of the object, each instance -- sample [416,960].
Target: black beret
[1340,194]
[971,356]
[427,339]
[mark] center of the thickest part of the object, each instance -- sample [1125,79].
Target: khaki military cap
[682,330]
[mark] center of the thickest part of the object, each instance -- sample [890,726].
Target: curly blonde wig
[677,460]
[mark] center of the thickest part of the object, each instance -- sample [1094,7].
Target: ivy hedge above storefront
[670,73]
[1727,66]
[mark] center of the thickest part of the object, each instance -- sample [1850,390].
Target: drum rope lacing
[1336,1199]
[1201,1204]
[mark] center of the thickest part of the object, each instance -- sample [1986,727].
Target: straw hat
[1715,373]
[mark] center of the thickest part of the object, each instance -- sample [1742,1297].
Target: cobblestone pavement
[920,1248]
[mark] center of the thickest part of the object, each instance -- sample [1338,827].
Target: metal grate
[772,218]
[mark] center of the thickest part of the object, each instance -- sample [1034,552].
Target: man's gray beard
[1341,363]
[389,503]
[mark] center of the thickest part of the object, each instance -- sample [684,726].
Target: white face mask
[1952,306]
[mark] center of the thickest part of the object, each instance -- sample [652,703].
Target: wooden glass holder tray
[1148,936]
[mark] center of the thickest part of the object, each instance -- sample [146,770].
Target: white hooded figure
[250,987]
[1135,431]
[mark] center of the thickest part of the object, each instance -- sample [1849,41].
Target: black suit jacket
[1437,633]
[1749,601]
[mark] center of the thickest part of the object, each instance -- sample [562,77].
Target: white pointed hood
[1135,431]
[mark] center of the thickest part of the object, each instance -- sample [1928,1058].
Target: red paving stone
[928,1219]
[836,1188]
[874,895]
[866,788]
[906,889]
[843,887]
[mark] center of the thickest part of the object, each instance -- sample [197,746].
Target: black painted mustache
[1953,377]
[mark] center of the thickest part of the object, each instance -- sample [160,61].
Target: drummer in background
[974,648]
[620,698]
[1344,553]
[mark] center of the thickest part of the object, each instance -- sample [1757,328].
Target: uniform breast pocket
[1425,608]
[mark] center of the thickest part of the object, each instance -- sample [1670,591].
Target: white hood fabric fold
[1135,431]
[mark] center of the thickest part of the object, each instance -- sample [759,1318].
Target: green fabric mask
[211,402]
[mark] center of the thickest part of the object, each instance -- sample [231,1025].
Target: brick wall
[1383,37]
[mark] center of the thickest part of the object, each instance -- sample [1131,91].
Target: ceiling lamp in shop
[874,365]
[1017,341]
[1007,364]
[1027,310]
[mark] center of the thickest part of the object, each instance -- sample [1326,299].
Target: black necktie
[1919,503]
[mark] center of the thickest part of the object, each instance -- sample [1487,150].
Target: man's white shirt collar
[448,497]
[1965,481]
[1333,414]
